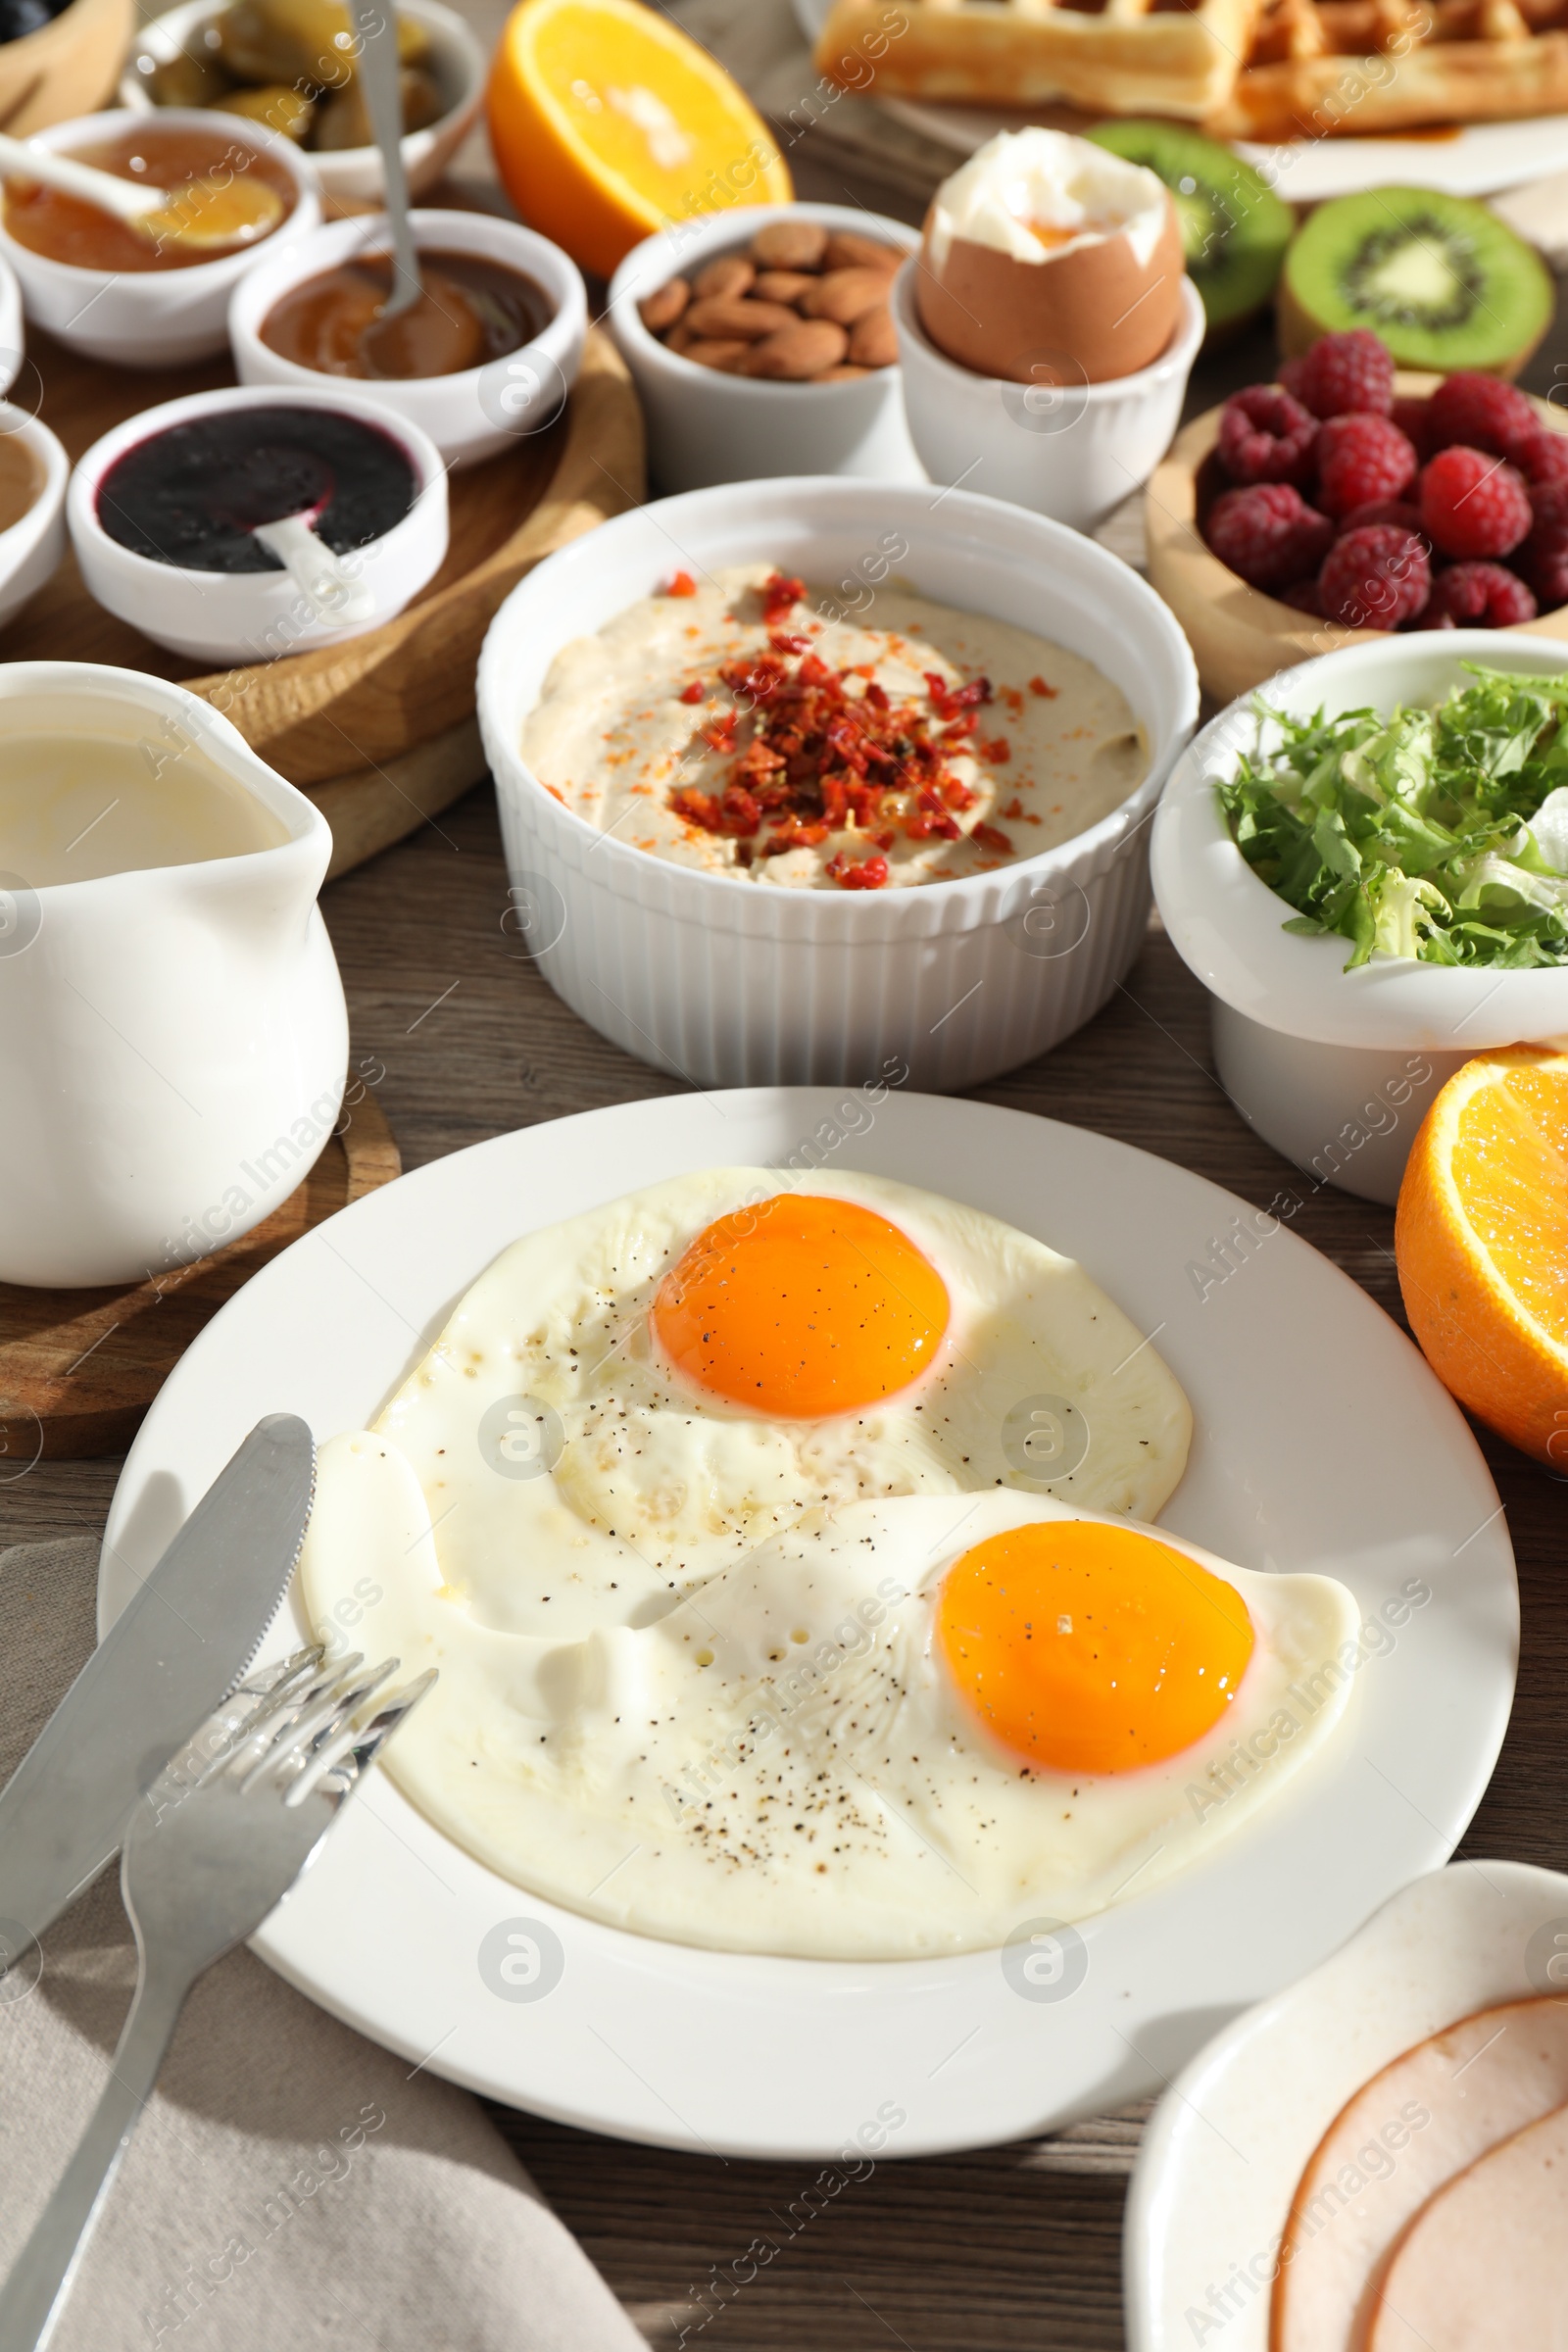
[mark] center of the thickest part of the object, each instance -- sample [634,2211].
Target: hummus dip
[740,726]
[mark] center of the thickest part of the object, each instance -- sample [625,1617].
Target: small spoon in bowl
[251,505]
[200,212]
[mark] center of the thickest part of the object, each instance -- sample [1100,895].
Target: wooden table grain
[1015,2246]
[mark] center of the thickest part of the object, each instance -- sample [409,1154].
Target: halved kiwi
[1441,280]
[1233,228]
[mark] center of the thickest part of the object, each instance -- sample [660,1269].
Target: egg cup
[226,617]
[152,317]
[470,415]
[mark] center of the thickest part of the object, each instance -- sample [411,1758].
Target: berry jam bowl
[1336,1069]
[156,317]
[374,484]
[728,981]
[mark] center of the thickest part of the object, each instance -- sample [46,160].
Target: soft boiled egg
[906,1728]
[627,1403]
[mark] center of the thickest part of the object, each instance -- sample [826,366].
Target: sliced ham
[1483,2266]
[1415,2126]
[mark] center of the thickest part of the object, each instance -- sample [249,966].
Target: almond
[748,321]
[718,353]
[844,295]
[802,349]
[789,245]
[783,286]
[846,251]
[726,279]
[872,340]
[837,376]
[663,306]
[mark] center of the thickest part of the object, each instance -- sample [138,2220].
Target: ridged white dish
[729,981]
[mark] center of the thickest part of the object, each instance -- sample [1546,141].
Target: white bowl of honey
[133,299]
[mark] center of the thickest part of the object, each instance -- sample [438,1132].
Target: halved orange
[608,123]
[1482,1244]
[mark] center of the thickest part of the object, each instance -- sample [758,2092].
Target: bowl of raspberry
[1347,501]
[1367,865]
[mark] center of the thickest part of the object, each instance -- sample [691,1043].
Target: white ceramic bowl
[152,317]
[468,416]
[1336,1069]
[353,175]
[734,983]
[1069,451]
[32,549]
[224,617]
[704,426]
[1231,2135]
[173,1038]
[12,351]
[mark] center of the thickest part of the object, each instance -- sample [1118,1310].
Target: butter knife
[171,1656]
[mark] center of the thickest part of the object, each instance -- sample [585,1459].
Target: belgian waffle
[1356,68]
[1106,57]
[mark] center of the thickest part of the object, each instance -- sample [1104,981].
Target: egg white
[646,1487]
[781,1762]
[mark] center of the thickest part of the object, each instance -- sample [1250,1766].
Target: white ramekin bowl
[731,982]
[468,416]
[1336,1069]
[224,617]
[152,317]
[32,549]
[1069,451]
[704,426]
[11,352]
[353,175]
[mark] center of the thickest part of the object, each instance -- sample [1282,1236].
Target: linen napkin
[291,2187]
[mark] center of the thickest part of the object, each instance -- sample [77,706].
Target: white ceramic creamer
[172,1032]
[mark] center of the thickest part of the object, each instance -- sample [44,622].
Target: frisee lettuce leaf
[1412,833]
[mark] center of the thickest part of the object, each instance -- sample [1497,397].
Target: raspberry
[1414,420]
[1266,436]
[1341,374]
[1544,556]
[1359,459]
[1268,534]
[1478,596]
[1542,457]
[1375,577]
[1473,504]
[1305,597]
[1383,510]
[1481,411]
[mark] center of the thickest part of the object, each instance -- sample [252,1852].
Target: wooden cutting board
[380,731]
[79,1368]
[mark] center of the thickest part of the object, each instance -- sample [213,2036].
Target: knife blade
[173,1654]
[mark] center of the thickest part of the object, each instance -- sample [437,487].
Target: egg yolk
[1092,1649]
[802,1307]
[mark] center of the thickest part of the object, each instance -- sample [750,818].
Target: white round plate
[1321,1442]
[1481,159]
[1231,2139]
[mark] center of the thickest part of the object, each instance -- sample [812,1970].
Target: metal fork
[216,1844]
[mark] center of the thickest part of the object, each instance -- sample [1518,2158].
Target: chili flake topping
[824,758]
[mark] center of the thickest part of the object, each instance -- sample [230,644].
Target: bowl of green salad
[1367,865]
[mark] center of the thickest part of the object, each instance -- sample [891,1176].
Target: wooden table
[1009,2247]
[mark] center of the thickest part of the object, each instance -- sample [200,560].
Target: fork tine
[295,1742]
[355,1750]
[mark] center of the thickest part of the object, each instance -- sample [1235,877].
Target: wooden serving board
[79,1368]
[1239,636]
[381,731]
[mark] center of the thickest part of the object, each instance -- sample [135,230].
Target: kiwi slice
[1441,280]
[1233,228]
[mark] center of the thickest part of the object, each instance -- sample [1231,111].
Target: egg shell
[1094,304]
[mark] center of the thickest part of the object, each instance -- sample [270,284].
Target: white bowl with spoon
[152,317]
[315,599]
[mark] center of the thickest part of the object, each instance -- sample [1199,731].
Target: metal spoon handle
[378,70]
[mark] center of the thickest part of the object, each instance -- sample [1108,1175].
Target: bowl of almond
[760,343]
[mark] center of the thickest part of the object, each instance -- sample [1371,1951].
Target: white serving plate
[1322,1442]
[1479,158]
[1231,2139]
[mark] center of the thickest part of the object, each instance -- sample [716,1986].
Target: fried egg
[627,1403]
[907,1727]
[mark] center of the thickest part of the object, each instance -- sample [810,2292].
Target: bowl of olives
[290,65]
[59,59]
